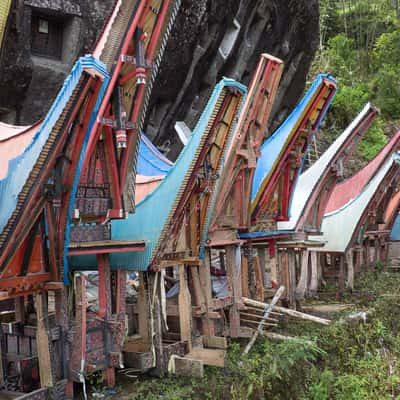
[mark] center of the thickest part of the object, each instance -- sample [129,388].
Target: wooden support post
[143,310]
[233,272]
[259,279]
[376,252]
[185,308]
[341,278]
[273,252]
[291,287]
[245,275]
[350,269]
[314,273]
[263,264]
[43,342]
[367,255]
[20,309]
[205,280]
[302,286]
[198,294]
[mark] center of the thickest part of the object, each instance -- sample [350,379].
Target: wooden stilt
[259,279]
[245,275]
[350,269]
[43,342]
[263,264]
[302,286]
[143,310]
[367,255]
[314,273]
[185,308]
[20,309]
[376,252]
[341,279]
[205,280]
[198,294]
[234,281]
[291,278]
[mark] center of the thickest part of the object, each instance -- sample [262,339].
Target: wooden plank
[186,366]
[233,273]
[205,280]
[350,269]
[245,273]
[185,308]
[214,357]
[259,279]
[341,280]
[43,343]
[302,286]
[314,273]
[215,342]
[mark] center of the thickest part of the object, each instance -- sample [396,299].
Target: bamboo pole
[267,311]
[287,311]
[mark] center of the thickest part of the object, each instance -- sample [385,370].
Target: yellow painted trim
[5,7]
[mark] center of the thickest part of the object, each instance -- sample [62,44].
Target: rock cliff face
[215,38]
[210,39]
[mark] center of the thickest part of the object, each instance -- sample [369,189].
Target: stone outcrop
[210,39]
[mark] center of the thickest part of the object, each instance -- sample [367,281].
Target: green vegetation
[360,46]
[345,361]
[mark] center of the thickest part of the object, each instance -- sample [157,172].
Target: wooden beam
[314,273]
[350,269]
[302,286]
[143,309]
[185,308]
[43,342]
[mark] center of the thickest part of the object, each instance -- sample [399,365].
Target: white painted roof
[338,226]
[310,178]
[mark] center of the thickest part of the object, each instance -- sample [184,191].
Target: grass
[347,361]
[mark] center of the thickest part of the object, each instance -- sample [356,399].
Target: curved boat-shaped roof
[310,178]
[20,166]
[350,188]
[153,212]
[395,233]
[338,226]
[151,162]
[13,141]
[274,147]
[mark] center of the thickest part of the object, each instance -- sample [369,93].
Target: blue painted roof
[395,234]
[272,147]
[153,211]
[21,166]
[258,235]
[151,162]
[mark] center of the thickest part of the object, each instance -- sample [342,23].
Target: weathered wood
[214,357]
[198,294]
[314,272]
[341,281]
[250,321]
[259,279]
[185,366]
[267,311]
[287,311]
[185,308]
[258,316]
[20,309]
[303,281]
[143,309]
[233,273]
[277,336]
[290,289]
[350,269]
[43,343]
[245,273]
[215,342]
[205,281]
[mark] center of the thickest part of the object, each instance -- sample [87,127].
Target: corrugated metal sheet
[309,179]
[20,167]
[273,147]
[395,234]
[5,6]
[152,213]
[338,226]
[151,162]
[348,189]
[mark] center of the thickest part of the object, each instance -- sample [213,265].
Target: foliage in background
[360,46]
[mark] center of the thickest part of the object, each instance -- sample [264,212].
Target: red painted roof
[351,187]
